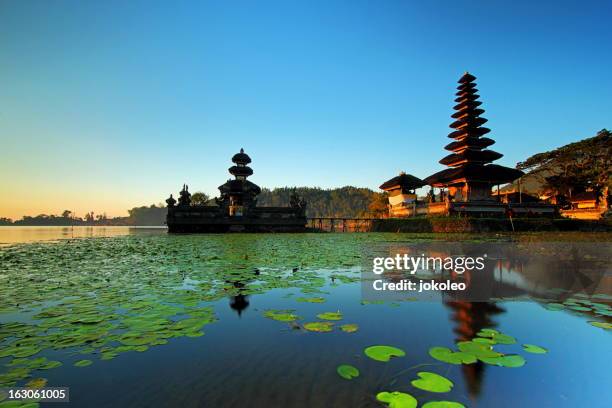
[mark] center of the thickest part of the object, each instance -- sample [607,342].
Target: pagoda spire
[469,145]
[470,170]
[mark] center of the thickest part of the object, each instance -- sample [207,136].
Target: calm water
[168,321]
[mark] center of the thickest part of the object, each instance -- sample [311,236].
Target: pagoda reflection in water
[236,208]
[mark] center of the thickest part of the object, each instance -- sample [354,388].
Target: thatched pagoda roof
[490,173]
[404,180]
[241,158]
[239,186]
[471,156]
[473,142]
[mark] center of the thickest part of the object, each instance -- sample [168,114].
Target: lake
[138,318]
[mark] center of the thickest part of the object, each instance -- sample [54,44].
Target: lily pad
[446,355]
[555,306]
[383,353]
[83,363]
[432,382]
[321,327]
[477,349]
[347,372]
[532,348]
[443,404]
[349,328]
[311,300]
[330,316]
[506,360]
[36,383]
[397,399]
[601,325]
[281,315]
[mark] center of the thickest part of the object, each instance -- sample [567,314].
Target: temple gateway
[235,209]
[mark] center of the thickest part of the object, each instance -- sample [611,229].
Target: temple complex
[466,186]
[235,209]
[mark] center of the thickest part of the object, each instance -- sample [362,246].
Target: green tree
[199,198]
[574,167]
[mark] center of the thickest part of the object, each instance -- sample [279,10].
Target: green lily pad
[347,372]
[83,363]
[383,353]
[36,383]
[349,328]
[443,404]
[555,306]
[330,316]
[495,337]
[477,349]
[601,325]
[506,360]
[321,327]
[446,355]
[532,348]
[311,300]
[432,382]
[397,399]
[579,308]
[281,315]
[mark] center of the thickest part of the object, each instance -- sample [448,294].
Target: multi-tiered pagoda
[236,208]
[470,176]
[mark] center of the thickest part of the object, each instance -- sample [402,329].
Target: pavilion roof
[404,180]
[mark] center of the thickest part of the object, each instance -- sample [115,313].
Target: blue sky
[109,105]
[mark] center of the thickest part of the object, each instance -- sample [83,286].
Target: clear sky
[106,105]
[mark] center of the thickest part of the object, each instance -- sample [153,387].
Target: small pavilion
[402,196]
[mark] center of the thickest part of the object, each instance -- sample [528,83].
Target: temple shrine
[466,186]
[402,196]
[235,209]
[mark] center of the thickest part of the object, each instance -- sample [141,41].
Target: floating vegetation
[397,399]
[102,297]
[83,363]
[442,404]
[36,383]
[506,360]
[330,316]
[446,355]
[311,300]
[347,371]
[532,348]
[495,337]
[281,315]
[349,328]
[383,353]
[555,306]
[321,327]
[432,382]
[601,325]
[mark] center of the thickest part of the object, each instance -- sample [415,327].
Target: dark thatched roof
[472,156]
[404,180]
[490,173]
[241,158]
[238,186]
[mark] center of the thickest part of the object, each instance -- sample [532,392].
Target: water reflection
[469,318]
